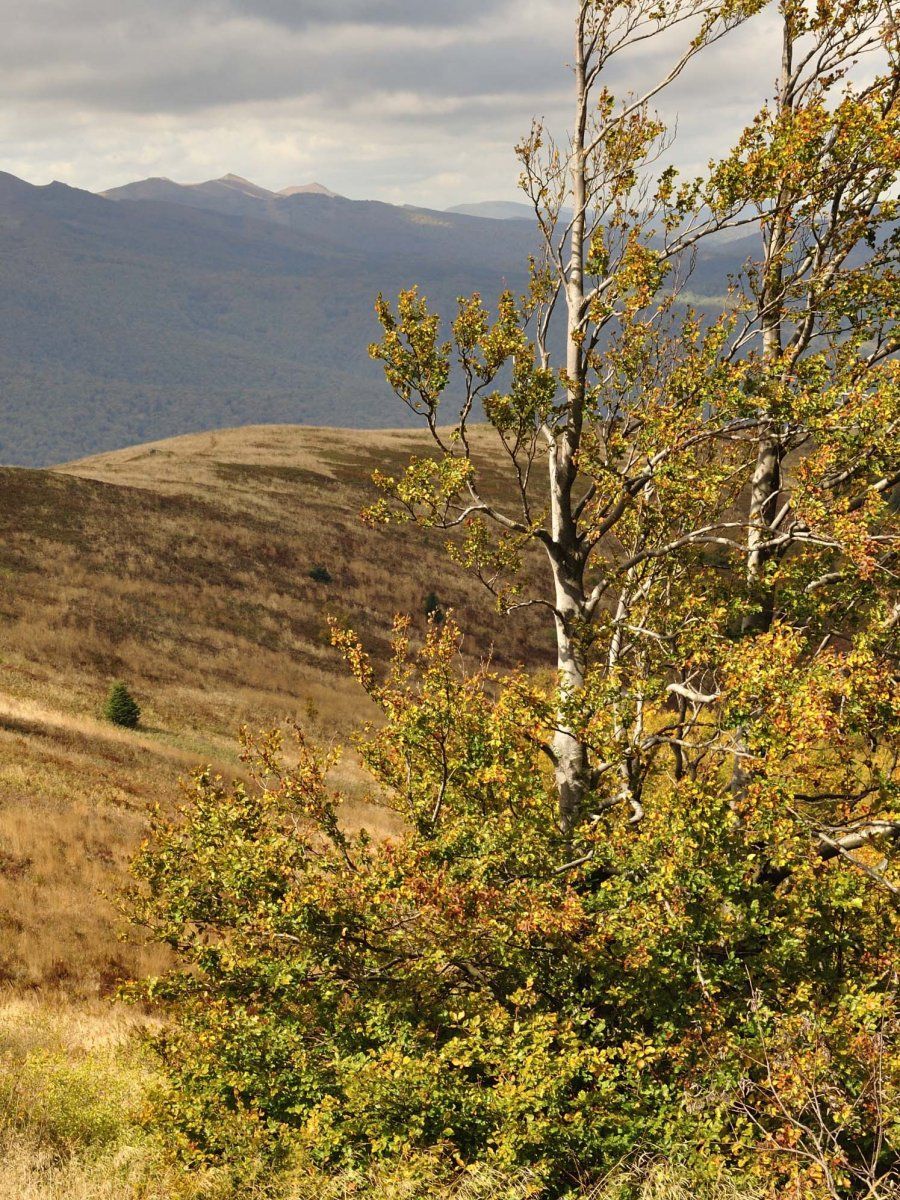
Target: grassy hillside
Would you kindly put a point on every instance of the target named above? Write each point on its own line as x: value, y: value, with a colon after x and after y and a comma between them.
x: 182, y: 567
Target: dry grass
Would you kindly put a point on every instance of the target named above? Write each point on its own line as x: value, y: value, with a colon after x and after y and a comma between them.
x: 182, y: 568
x: 133, y: 1175
x: 653, y: 1179
x: 72, y: 1082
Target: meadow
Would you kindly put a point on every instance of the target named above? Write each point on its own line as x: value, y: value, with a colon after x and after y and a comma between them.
x: 184, y: 568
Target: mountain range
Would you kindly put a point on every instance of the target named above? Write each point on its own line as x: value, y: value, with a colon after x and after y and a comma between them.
x: 231, y: 195
x: 157, y: 309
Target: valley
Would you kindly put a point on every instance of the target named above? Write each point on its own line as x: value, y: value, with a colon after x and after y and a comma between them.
x: 160, y: 309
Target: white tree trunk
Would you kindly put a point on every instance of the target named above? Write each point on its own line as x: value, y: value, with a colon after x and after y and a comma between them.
x: 566, y: 556
x: 571, y: 760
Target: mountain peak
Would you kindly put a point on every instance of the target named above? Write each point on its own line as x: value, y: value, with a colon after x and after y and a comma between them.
x: 309, y: 189
x: 238, y: 183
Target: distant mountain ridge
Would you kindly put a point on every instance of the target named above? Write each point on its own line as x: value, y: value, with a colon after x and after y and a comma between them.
x: 311, y: 189
x: 158, y: 308
x: 171, y: 309
x: 231, y: 194
x: 496, y: 210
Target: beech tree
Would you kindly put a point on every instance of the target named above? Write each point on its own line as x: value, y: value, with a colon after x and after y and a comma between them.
x: 375, y: 1011
x: 762, y: 438
x: 651, y: 907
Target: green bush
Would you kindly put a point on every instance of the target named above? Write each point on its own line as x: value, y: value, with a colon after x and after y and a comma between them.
x: 433, y: 609
x: 72, y: 1105
x: 478, y: 990
x: 320, y: 574
x: 121, y: 707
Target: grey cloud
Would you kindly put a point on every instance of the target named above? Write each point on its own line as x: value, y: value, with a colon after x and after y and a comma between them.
x: 185, y: 76
x: 397, y: 99
x: 299, y: 14
x: 89, y: 53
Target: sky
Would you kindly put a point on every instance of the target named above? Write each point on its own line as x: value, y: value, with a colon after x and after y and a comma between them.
x: 408, y: 101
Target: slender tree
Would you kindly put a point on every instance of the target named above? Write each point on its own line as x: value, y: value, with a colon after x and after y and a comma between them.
x: 646, y: 948
x: 760, y: 445
x: 834, y: 167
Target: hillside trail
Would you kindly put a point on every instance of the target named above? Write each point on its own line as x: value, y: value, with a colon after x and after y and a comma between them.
x: 18, y: 716
x: 28, y: 716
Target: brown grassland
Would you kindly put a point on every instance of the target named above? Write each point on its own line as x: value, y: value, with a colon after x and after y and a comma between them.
x: 183, y: 568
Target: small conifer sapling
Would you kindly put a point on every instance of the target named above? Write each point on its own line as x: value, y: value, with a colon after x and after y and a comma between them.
x: 121, y: 707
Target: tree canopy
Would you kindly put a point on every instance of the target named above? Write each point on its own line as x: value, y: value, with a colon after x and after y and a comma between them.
x: 651, y: 902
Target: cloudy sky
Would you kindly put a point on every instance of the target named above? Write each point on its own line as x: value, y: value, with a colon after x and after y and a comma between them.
x: 416, y: 101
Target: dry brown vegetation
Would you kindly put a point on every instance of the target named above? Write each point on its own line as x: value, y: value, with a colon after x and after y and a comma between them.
x: 182, y: 567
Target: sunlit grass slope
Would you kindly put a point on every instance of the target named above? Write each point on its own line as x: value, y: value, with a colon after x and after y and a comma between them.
x: 183, y: 568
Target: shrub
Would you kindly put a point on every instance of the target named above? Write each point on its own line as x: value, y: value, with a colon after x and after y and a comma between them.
x: 121, y: 707
x: 433, y: 609
x: 320, y: 574
x: 478, y: 990
x: 72, y: 1082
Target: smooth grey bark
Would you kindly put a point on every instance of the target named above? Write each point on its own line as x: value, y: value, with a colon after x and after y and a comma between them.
x: 566, y: 552
x: 765, y: 486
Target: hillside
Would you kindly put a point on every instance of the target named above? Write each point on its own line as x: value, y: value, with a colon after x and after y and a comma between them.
x: 125, y: 321
x: 182, y: 567
x: 160, y: 309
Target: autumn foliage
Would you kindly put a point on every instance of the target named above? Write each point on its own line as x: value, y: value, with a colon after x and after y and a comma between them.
x: 648, y: 904
x: 471, y: 992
